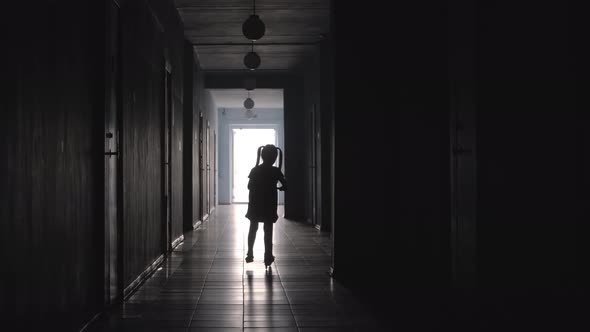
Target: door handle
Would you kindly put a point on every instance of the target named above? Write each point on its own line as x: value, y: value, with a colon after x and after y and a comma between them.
x: 461, y: 150
x: 112, y: 153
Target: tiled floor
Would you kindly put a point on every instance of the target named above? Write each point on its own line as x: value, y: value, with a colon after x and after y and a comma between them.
x: 205, y: 285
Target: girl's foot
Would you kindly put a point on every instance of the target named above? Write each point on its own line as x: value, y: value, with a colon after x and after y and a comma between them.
x: 268, y: 260
x: 249, y: 259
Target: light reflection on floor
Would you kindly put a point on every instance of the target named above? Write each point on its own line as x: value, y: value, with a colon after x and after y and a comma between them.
x: 205, y: 285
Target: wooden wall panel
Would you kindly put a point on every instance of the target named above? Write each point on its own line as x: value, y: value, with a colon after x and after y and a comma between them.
x: 208, y: 107
x: 198, y: 86
x: 142, y: 84
x: 152, y: 37
x: 188, y: 136
x: 51, y: 171
x: 166, y: 16
x: 528, y: 162
x: 296, y: 167
x: 392, y: 158
x: 578, y: 27
x: 175, y: 42
x: 311, y: 95
x: 326, y: 130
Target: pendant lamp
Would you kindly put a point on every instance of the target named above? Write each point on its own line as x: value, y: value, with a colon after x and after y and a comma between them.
x: 253, y: 28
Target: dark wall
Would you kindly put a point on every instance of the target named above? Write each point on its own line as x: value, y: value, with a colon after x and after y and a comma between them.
x: 151, y: 37
x: 296, y: 151
x: 197, y: 177
x: 175, y: 53
x: 201, y: 103
x: 209, y: 110
x: 189, y: 188
x: 392, y: 157
x: 142, y: 82
x: 528, y: 178
x: 310, y: 71
x: 577, y: 27
x: 51, y: 171
x: 392, y: 182
x: 326, y: 133
x: 392, y: 174
x: 317, y: 76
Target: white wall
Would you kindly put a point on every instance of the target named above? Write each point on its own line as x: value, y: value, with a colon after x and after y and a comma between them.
x: 229, y: 118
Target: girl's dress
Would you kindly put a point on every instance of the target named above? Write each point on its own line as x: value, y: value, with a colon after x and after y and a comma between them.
x: 262, y: 202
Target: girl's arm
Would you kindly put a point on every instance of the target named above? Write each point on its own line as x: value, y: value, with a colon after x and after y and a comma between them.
x: 283, y: 182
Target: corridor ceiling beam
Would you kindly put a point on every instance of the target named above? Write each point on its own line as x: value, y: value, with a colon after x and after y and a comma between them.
x: 293, y: 28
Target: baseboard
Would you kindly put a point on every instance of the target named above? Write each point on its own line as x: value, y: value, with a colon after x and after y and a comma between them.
x: 205, y: 217
x: 318, y: 227
x: 142, y: 278
x: 196, y: 224
x: 297, y: 218
x: 178, y: 241
x: 91, y: 321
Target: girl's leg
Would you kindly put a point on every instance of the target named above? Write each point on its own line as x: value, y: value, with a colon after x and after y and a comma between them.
x: 252, y: 236
x: 268, y: 257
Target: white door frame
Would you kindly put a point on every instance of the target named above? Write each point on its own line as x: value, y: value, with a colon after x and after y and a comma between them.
x: 278, y: 143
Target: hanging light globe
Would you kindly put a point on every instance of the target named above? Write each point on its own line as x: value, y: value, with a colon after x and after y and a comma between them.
x: 253, y: 28
x: 252, y: 60
x: 249, y: 103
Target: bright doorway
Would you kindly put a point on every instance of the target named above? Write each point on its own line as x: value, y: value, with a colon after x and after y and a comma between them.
x: 245, y: 143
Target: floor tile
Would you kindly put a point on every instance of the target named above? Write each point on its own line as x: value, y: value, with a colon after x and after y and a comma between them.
x: 205, y: 285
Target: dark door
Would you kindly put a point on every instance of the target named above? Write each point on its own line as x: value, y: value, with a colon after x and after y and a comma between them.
x: 208, y: 170
x: 313, y: 206
x: 201, y: 168
x: 112, y: 207
x: 463, y: 197
x: 214, y: 161
x: 463, y: 144
x: 317, y: 169
x: 166, y: 168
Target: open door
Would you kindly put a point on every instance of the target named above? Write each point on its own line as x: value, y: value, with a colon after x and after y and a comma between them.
x: 244, y: 146
x: 112, y: 166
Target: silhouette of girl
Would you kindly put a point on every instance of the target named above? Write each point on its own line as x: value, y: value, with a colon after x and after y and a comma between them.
x: 262, y: 202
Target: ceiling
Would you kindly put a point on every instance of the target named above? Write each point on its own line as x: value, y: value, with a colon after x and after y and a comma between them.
x: 234, y: 98
x: 214, y: 27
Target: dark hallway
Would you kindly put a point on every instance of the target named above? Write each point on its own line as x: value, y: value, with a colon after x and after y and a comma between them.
x: 437, y: 155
